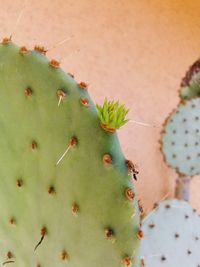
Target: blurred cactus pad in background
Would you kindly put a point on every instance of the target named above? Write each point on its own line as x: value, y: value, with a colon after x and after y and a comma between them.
x: 171, y: 236
x: 190, y: 84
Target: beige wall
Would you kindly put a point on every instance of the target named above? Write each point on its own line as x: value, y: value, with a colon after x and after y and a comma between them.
x: 132, y: 50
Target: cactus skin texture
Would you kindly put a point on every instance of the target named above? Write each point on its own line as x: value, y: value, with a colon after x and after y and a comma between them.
x: 180, y: 141
x: 171, y: 236
x: 190, y: 85
x: 59, y: 211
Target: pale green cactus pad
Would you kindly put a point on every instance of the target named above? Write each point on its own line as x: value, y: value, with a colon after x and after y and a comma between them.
x: 66, y: 191
x: 190, y: 85
x: 171, y: 236
x: 180, y: 141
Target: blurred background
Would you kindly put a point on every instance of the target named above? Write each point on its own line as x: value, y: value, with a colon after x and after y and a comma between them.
x: 136, y: 51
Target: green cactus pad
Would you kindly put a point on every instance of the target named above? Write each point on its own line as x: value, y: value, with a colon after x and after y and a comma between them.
x: 180, y: 141
x: 63, y: 179
x: 190, y: 85
x: 171, y: 236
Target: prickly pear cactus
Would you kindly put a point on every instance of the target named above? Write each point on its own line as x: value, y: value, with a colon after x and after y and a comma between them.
x: 171, y: 236
x: 190, y: 85
x: 180, y: 141
x: 66, y: 192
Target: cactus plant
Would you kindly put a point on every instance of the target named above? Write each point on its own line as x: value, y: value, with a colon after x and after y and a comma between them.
x: 171, y: 236
x: 190, y: 84
x: 66, y: 192
x: 180, y: 140
x: 172, y: 229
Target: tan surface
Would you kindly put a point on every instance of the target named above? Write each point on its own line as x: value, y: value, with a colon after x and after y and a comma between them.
x: 132, y: 50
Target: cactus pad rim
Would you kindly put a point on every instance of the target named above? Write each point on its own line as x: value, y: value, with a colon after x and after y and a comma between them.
x: 190, y: 84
